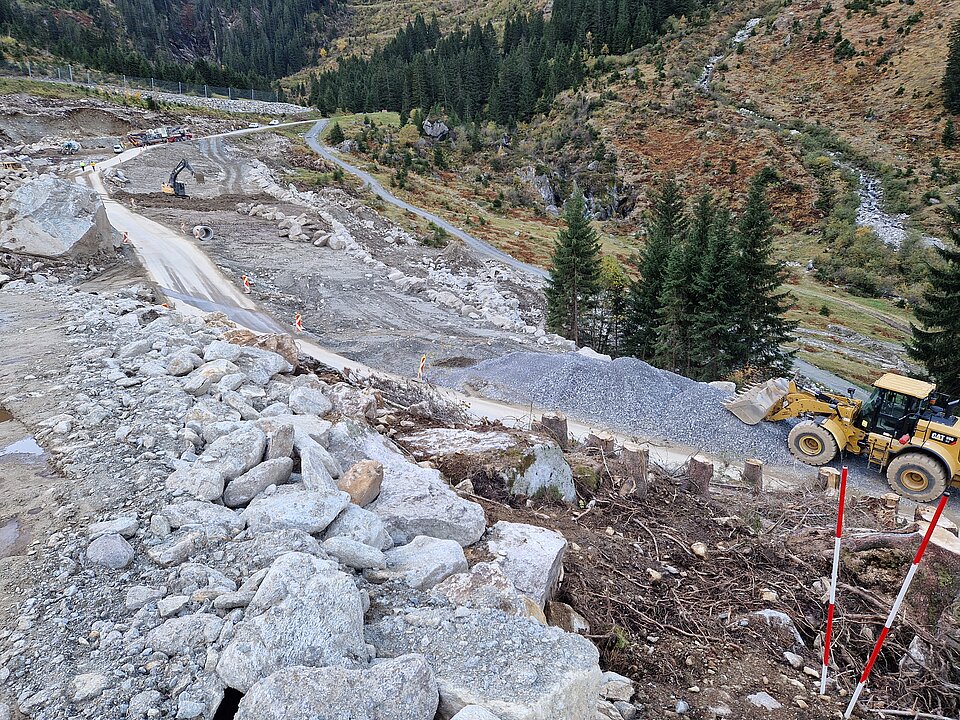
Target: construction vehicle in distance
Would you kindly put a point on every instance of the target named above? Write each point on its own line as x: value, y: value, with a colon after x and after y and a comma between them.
x: 158, y: 136
x: 905, y: 427
x: 70, y: 147
x: 176, y: 188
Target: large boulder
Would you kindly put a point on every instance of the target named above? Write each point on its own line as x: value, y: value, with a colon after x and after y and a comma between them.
x: 435, y: 129
x: 253, y: 482
x: 484, y: 585
x: 399, y: 689
x: 530, y: 556
x: 361, y: 525
x: 292, y: 508
x: 529, y: 464
x: 425, y: 561
x: 236, y: 453
x: 305, y: 612
x: 280, y: 344
x: 413, y: 500
x: 515, y: 667
x: 52, y: 218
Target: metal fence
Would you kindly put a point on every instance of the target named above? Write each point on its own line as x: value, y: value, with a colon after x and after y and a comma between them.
x: 83, y: 76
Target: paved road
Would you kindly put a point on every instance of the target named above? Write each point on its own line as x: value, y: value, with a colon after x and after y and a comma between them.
x: 313, y: 140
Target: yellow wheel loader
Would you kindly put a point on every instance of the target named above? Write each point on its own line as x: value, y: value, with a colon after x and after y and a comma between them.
x: 905, y: 427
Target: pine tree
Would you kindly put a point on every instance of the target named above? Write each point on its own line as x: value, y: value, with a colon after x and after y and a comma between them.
x: 937, y: 343
x: 336, y: 135
x: 679, y: 298
x: 667, y: 227
x: 575, y: 273
x: 763, y: 329
x: 715, y: 348
x: 951, y: 77
x: 949, y: 134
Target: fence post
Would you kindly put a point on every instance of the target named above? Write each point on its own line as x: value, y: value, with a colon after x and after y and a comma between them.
x: 230, y: 93
x: 70, y: 69
x: 251, y: 94
x: 153, y: 85
x: 29, y: 69
x: 204, y: 89
x: 124, y: 84
x: 88, y: 77
x: 59, y: 75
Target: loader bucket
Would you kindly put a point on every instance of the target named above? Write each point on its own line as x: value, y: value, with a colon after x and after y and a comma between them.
x: 755, y: 403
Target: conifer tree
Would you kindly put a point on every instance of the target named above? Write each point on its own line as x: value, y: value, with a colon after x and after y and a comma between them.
x: 336, y: 135
x: 949, y: 134
x: 715, y: 349
x: 679, y: 298
x: 575, y: 273
x: 667, y: 226
x: 763, y: 329
x: 951, y: 77
x: 937, y: 343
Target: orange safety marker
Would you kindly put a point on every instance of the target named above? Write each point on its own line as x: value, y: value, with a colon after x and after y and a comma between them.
x: 246, y: 284
x: 423, y: 364
x: 298, y: 323
x: 833, y: 583
x: 183, y: 228
x: 896, y: 605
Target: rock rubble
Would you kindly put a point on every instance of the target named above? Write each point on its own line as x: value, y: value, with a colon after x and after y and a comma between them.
x: 195, y: 559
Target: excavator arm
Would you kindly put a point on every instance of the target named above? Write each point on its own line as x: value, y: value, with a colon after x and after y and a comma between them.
x: 173, y: 186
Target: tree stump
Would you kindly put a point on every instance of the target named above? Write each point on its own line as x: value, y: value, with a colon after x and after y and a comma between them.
x: 753, y: 474
x: 556, y: 427
x: 699, y: 474
x: 828, y: 479
x: 634, y: 463
x: 603, y: 442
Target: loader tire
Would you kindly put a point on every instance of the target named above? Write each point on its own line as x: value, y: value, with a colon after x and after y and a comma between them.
x: 917, y: 477
x: 811, y: 444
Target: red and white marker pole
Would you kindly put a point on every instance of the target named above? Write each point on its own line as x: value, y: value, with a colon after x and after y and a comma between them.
x: 423, y: 364
x: 896, y: 605
x: 246, y: 284
x: 298, y: 323
x: 833, y: 582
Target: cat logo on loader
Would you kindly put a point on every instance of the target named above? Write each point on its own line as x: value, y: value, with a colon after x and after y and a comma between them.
x: 905, y: 427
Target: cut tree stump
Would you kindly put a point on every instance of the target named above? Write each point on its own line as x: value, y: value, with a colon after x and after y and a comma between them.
x: 753, y: 474
x: 828, y: 479
x: 556, y: 427
x: 634, y: 463
x: 603, y: 442
x: 699, y: 474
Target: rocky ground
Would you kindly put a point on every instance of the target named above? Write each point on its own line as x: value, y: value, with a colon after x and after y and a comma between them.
x: 365, y: 287
x: 222, y: 527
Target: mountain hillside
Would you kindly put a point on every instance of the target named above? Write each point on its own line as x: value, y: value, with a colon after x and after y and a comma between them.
x: 262, y: 39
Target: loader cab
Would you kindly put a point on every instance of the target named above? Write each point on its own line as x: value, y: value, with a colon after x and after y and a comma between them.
x: 895, y: 406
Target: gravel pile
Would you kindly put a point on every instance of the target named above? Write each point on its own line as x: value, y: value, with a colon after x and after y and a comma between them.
x: 627, y: 394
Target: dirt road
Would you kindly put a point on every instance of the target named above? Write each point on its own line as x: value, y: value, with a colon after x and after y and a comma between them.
x: 313, y: 140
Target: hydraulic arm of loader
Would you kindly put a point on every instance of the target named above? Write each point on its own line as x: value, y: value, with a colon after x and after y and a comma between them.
x: 780, y: 399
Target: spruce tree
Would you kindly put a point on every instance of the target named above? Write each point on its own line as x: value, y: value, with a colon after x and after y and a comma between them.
x: 667, y: 226
x: 949, y: 134
x: 715, y: 349
x: 937, y: 343
x: 679, y: 298
x: 763, y: 329
x: 336, y: 135
x: 574, y: 282
x: 951, y: 77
